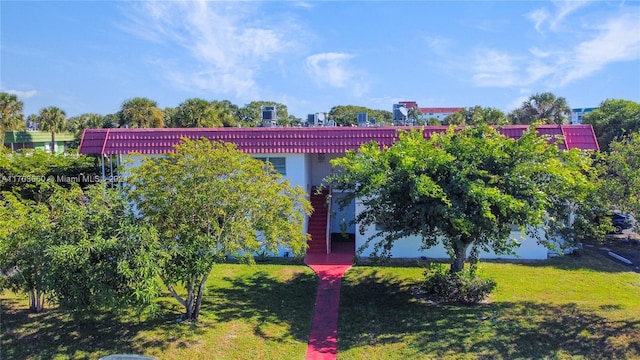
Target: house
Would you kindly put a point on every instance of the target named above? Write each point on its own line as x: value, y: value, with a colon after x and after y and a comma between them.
x: 401, y: 109
x: 579, y: 113
x: 16, y: 140
x: 303, y: 156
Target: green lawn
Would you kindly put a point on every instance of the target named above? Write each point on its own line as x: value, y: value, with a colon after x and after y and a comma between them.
x: 585, y: 307
x: 250, y: 312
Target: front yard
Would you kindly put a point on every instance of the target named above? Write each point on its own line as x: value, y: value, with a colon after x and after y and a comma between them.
x: 584, y: 307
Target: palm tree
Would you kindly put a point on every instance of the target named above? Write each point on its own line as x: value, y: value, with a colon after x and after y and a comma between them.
x: 545, y: 107
x: 52, y: 119
x: 141, y: 113
x: 78, y: 124
x: 11, y: 117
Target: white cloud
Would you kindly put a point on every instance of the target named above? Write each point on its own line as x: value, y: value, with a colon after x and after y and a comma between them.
x: 23, y: 94
x: 438, y: 44
x: 562, y: 10
x: 227, y: 43
x: 495, y: 69
x: 612, y: 39
x: 538, y: 16
x: 618, y: 40
x: 330, y: 68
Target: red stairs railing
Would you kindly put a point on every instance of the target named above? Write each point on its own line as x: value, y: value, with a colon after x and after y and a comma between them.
x: 318, y: 222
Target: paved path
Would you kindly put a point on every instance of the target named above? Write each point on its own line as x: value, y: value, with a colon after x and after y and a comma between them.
x: 323, y: 339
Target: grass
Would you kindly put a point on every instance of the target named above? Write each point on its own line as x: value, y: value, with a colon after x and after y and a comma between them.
x: 570, y: 307
x: 584, y: 307
x: 250, y: 312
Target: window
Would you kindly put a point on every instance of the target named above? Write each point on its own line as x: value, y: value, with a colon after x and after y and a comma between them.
x: 278, y: 163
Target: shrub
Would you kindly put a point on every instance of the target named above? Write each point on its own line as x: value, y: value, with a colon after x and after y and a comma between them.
x: 462, y: 287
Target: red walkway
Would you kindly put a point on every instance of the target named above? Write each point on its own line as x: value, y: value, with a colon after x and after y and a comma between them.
x: 323, y: 339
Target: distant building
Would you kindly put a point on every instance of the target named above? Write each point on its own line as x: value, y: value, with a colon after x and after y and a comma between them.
x: 577, y: 114
x: 439, y: 113
x: 16, y: 140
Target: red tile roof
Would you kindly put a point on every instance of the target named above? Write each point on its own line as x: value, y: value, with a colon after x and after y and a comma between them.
x: 330, y: 140
x: 440, y: 110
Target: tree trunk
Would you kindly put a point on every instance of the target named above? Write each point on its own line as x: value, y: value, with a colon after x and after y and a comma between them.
x: 53, y: 142
x: 36, y: 300
x: 199, y: 298
x: 190, y: 302
x: 459, y: 256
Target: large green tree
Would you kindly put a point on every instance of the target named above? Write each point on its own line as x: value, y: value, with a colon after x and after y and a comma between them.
x: 80, y: 249
x: 140, y: 112
x: 477, y: 115
x: 11, y: 116
x: 78, y: 124
x: 209, y: 201
x: 25, y: 229
x: 54, y: 120
x: 250, y: 114
x: 347, y: 115
x: 614, y: 119
x: 622, y: 174
x: 466, y: 189
x: 542, y: 107
x: 102, y: 257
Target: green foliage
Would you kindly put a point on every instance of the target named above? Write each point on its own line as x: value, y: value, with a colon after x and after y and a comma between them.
x: 54, y: 120
x: 103, y: 258
x: 201, y: 113
x: 209, y: 201
x: 347, y: 115
x: 140, y: 113
x: 30, y: 173
x: 250, y: 114
x: 466, y: 189
x: 462, y: 287
x: 78, y: 124
x: 612, y: 120
x: 622, y: 175
x: 82, y: 249
x: 542, y: 107
x: 477, y: 115
x: 11, y: 116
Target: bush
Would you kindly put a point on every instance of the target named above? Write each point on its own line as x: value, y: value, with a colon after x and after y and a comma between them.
x: 462, y: 287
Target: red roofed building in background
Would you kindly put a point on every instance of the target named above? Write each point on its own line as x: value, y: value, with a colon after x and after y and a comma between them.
x: 302, y: 155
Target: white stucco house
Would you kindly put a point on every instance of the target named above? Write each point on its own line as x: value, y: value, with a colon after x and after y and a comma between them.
x: 303, y: 155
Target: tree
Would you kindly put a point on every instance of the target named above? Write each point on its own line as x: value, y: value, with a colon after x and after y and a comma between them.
x: 11, y: 117
x: 52, y: 119
x: 477, y: 115
x: 542, y: 107
x: 78, y: 124
x: 225, y: 113
x: 140, y: 113
x: 612, y: 120
x: 102, y: 257
x: 347, y: 115
x: 250, y: 114
x: 26, y: 173
x: 194, y: 113
x: 622, y: 174
x: 80, y: 249
x: 25, y: 226
x: 465, y: 189
x: 209, y: 201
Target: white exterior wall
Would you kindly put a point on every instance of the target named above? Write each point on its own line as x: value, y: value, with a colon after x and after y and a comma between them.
x: 297, y: 172
x: 410, y: 247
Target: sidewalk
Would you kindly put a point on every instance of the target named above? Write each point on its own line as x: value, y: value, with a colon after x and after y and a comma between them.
x: 323, y: 338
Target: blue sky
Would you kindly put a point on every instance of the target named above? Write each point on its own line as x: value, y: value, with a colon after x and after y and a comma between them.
x: 90, y: 56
